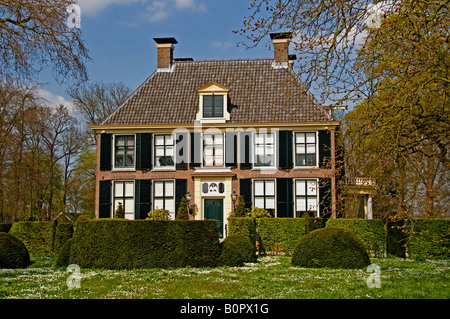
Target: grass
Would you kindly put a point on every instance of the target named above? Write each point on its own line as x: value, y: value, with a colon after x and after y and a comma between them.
x: 270, y: 277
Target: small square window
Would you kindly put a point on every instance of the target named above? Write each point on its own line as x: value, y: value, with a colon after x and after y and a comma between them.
x: 213, y: 106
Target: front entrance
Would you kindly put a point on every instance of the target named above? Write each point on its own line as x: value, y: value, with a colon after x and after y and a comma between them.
x: 214, y: 210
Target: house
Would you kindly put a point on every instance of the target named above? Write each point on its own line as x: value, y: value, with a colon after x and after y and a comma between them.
x: 213, y: 130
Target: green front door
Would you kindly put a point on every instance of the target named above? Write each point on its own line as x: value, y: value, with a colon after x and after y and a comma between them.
x: 214, y: 210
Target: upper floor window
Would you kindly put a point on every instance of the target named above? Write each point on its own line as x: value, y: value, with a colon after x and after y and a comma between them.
x: 264, y: 149
x: 305, y: 149
x: 164, y: 150
x: 213, y: 147
x: 213, y: 106
x: 124, y: 151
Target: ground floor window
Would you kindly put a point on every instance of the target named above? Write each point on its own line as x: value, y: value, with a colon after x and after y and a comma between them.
x: 164, y: 196
x: 124, y: 194
x: 264, y: 195
x: 306, y: 197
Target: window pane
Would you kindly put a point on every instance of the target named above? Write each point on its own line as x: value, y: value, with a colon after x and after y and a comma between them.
x: 169, y: 205
x: 130, y: 140
x: 159, y: 189
x: 169, y: 189
x: 269, y: 149
x: 169, y: 140
x: 209, y: 161
x: 310, y: 137
x: 208, y: 100
x: 301, y: 204
x: 300, y: 137
x: 159, y: 204
x: 120, y: 140
x: 129, y: 189
x: 129, y: 205
x: 116, y: 204
x: 300, y: 189
x: 130, y: 157
x: 312, y: 204
x: 218, y: 100
x: 208, y: 139
x: 159, y: 140
x: 169, y: 150
x: 218, y: 161
x: 259, y: 150
x: 259, y: 202
x: 259, y: 138
x: 160, y: 151
x: 259, y: 187
x: 219, y: 150
x: 119, y: 189
x: 218, y: 139
x: 270, y: 138
x: 270, y: 203
x: 312, y: 188
x: 270, y: 188
x: 311, y: 148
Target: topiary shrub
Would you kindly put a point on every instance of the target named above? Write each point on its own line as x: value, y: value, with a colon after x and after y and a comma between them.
x: 38, y: 236
x: 236, y: 250
x: 330, y: 247
x: 182, y: 213
x: 13, y: 253
x: 245, y: 226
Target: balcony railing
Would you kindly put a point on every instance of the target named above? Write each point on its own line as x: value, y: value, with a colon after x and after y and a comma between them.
x: 360, y: 181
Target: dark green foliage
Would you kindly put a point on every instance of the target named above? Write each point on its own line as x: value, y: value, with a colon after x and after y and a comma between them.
x: 64, y: 254
x: 428, y: 238
x: 182, y: 213
x: 282, y: 234
x: 125, y: 244
x: 245, y: 226
x: 330, y: 247
x: 38, y: 237
x: 370, y: 231
x: 13, y: 253
x: 63, y: 233
x: 241, y: 210
x: 245, y: 247
x: 119, y: 213
x: 396, y: 238
x: 230, y: 255
x: 4, y: 228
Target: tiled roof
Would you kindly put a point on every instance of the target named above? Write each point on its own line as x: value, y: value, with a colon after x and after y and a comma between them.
x: 258, y: 93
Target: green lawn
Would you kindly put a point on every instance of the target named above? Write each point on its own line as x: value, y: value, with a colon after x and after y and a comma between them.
x: 270, y: 277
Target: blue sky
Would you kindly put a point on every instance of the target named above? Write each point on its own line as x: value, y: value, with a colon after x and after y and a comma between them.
x: 119, y: 35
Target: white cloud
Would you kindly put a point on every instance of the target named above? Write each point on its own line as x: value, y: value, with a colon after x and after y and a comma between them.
x: 222, y: 45
x: 94, y: 7
x: 50, y: 99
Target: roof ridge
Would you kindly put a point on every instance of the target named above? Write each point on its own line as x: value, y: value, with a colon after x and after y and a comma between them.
x: 225, y: 60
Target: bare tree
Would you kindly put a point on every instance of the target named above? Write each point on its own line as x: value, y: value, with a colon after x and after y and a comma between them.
x: 33, y: 34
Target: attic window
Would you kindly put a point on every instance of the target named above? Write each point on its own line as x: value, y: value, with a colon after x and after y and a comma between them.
x: 213, y: 103
x: 213, y: 106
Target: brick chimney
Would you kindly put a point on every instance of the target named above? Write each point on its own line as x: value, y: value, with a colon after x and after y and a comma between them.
x: 281, y: 47
x: 165, y: 52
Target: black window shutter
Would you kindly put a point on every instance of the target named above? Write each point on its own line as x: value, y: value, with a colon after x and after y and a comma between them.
x: 144, y: 151
x: 231, y: 149
x: 325, y: 197
x: 104, y: 209
x: 181, y: 150
x: 285, y: 149
x: 105, y: 152
x: 180, y: 192
x: 245, y: 187
x: 324, y: 149
x: 246, y: 150
x: 143, y: 198
x: 196, y: 154
x: 285, y: 200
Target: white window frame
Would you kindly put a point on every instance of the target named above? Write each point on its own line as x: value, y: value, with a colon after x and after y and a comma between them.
x: 113, y: 198
x: 275, y: 192
x: 275, y: 155
x: 172, y: 214
x: 294, y: 153
x: 306, y: 194
x: 203, y: 145
x: 154, y: 166
x: 114, y: 154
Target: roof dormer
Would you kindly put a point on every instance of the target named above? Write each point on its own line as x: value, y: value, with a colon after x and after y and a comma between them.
x: 213, y: 103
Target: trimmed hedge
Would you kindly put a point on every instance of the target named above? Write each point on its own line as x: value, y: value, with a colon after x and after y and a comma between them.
x: 237, y: 250
x: 428, y: 238
x: 370, y: 231
x: 63, y: 233
x: 13, y: 253
x: 243, y: 226
x: 330, y: 247
x: 126, y: 244
x: 38, y: 237
x: 283, y: 234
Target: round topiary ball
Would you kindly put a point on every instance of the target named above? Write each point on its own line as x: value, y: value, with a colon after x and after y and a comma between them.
x: 13, y: 253
x: 237, y: 250
x: 246, y: 248
x: 330, y: 247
